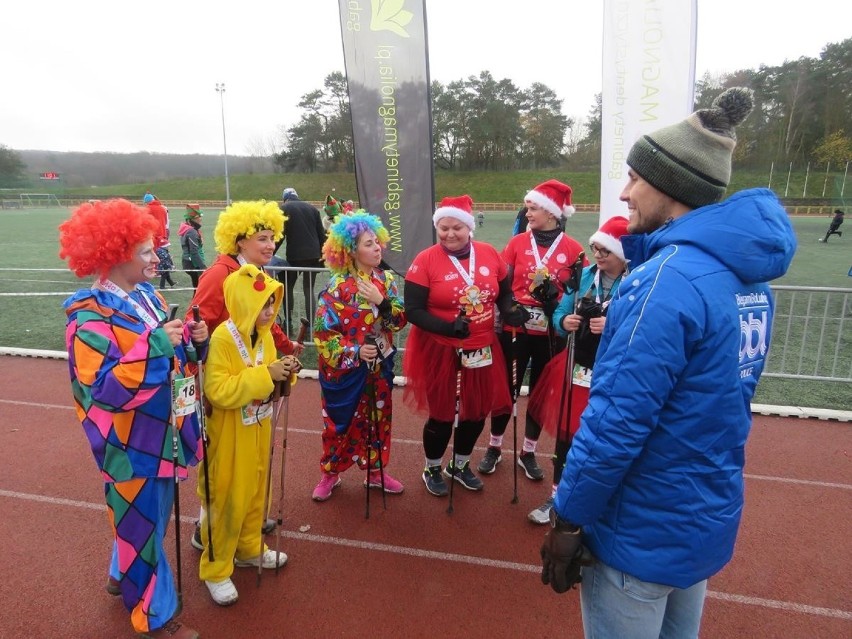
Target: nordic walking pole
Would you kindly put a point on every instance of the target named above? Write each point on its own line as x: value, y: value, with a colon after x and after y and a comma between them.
x: 453, y: 468
x: 562, y: 433
x: 202, y: 422
x: 175, y: 460
x: 373, y: 435
x: 514, y: 332
x: 284, y: 408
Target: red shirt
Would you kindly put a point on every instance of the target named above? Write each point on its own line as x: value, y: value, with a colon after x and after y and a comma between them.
x: 518, y: 254
x: 448, y: 291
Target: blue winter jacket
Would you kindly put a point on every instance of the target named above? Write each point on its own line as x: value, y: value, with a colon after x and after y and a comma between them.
x: 655, y: 473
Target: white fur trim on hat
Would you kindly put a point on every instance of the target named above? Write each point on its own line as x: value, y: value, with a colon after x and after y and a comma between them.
x: 537, y: 197
x: 451, y: 211
x: 609, y: 235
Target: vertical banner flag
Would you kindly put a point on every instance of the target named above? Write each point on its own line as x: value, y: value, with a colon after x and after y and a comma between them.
x: 385, y: 52
x: 648, y: 81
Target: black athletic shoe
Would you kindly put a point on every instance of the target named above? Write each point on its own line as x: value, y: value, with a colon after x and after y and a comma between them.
x: 435, y: 484
x: 531, y: 468
x: 489, y: 462
x: 196, y: 537
x: 464, y: 476
x: 268, y: 526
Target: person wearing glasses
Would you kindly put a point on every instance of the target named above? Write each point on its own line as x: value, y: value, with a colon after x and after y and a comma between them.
x: 583, y: 313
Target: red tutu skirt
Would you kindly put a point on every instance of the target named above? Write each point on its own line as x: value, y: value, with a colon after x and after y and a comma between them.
x: 544, y: 405
x: 430, y: 381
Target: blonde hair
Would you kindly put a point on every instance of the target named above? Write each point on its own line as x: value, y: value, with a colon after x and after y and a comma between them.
x: 244, y: 219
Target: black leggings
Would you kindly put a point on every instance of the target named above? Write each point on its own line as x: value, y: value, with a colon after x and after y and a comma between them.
x: 527, y: 347
x: 436, y: 437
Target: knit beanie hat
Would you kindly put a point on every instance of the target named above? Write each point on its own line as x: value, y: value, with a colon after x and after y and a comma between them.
x: 460, y: 208
x: 148, y: 198
x: 691, y: 161
x: 289, y: 194
x: 554, y: 197
x: 609, y: 235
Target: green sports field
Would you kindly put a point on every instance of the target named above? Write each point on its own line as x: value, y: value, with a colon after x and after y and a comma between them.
x: 34, y: 282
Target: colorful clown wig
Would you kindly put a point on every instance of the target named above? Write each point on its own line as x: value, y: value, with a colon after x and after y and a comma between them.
x: 103, y: 234
x: 343, y: 239
x: 244, y: 219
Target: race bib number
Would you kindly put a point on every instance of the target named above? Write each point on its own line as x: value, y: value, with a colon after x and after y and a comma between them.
x: 537, y: 323
x: 479, y: 358
x: 254, y: 412
x: 582, y: 376
x: 384, y: 345
x: 184, y: 396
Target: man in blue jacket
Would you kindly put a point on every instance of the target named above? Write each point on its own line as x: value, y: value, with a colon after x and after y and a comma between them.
x: 653, y: 483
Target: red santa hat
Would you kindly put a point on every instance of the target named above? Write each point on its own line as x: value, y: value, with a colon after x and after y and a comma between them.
x: 609, y: 235
x: 554, y: 197
x: 460, y: 208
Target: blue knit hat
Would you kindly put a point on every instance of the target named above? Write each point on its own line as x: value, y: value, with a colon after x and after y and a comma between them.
x: 148, y: 198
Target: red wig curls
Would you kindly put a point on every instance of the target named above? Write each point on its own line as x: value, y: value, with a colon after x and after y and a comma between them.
x: 103, y: 234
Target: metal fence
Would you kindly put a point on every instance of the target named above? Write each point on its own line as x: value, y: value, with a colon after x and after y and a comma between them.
x: 811, y: 337
x: 811, y: 330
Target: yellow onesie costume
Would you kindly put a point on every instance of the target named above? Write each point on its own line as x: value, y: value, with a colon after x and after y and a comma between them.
x: 238, y: 385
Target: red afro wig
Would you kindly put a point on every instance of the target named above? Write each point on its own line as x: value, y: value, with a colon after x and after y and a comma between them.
x: 103, y: 234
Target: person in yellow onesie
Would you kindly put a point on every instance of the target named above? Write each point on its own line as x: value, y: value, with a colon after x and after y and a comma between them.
x: 240, y: 377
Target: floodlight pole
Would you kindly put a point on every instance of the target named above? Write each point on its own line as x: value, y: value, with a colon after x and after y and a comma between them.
x: 220, y: 89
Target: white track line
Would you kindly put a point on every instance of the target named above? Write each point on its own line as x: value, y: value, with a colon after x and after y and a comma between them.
x: 454, y: 557
x: 417, y: 442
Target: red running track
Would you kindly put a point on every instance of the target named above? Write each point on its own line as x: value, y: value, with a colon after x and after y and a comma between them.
x: 411, y: 570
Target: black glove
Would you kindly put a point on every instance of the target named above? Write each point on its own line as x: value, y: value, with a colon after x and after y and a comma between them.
x: 461, y: 328
x: 547, y: 294
x: 561, y: 557
x: 516, y: 316
x: 549, y: 307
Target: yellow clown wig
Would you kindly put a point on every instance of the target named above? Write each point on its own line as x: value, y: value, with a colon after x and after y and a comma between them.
x: 244, y: 219
x: 343, y: 239
x: 100, y: 235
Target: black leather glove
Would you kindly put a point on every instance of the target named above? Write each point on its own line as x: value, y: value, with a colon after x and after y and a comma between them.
x: 561, y: 556
x: 547, y: 294
x: 461, y: 328
x: 516, y: 316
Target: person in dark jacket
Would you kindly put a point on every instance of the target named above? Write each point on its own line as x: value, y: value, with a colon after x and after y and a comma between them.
x: 653, y: 482
x: 191, y: 243
x: 836, y: 221
x: 305, y: 235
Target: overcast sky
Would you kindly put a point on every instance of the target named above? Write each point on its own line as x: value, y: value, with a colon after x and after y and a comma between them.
x: 99, y: 75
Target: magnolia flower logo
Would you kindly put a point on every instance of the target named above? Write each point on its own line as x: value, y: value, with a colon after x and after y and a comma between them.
x: 390, y: 15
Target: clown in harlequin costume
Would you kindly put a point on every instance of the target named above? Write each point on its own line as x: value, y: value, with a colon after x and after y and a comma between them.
x: 538, y: 260
x: 242, y: 368
x: 455, y: 275
x: 357, y: 315
x: 122, y: 355
x: 582, y: 313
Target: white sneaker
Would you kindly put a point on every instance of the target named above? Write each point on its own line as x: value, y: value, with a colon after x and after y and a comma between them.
x: 268, y: 560
x: 224, y: 593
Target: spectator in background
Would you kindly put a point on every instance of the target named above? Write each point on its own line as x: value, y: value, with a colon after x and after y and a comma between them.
x: 836, y: 221
x: 161, y: 240
x: 305, y: 236
x: 191, y: 243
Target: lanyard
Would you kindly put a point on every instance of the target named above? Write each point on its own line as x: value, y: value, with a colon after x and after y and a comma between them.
x: 597, y: 285
x: 471, y: 269
x: 541, y: 262
x: 241, y: 345
x: 111, y: 287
